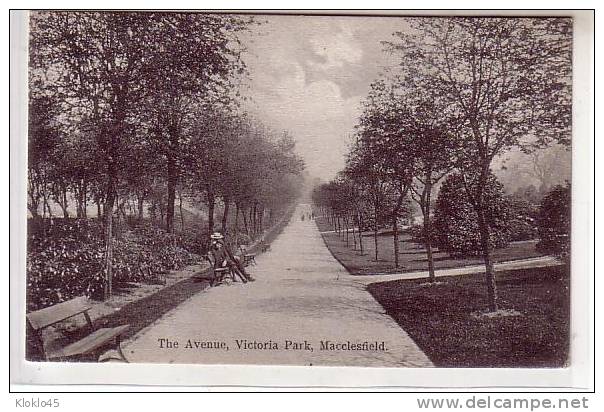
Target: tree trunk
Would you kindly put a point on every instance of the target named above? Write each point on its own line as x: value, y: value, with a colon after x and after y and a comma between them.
x: 84, y: 201
x: 395, y: 240
x: 182, y: 215
x: 486, y: 254
x: 172, y: 181
x: 245, y: 225
x: 65, y: 203
x: 47, y: 207
x: 34, y: 199
x: 59, y: 193
x: 121, y: 217
x: 33, y: 209
x: 236, y: 216
x: 354, y: 237
x: 140, y: 199
x: 109, y: 204
x: 375, y: 233
x: 99, y: 212
x: 428, y: 226
x: 261, y: 220
x: 428, y: 241
x: 254, y: 219
x: 225, y: 214
x: 346, y: 228
x: 360, y: 223
x: 211, y: 203
x: 78, y: 196
x: 483, y: 226
x: 162, y: 213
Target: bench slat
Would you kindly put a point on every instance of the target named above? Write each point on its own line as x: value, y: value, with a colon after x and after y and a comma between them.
x: 91, y: 342
x: 57, y: 313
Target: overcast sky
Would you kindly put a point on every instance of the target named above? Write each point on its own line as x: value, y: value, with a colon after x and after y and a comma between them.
x: 308, y: 76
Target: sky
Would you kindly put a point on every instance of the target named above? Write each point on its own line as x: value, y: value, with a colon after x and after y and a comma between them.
x: 308, y: 75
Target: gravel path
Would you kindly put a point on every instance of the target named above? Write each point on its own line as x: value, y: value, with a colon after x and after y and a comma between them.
x: 537, y: 262
x: 304, y: 309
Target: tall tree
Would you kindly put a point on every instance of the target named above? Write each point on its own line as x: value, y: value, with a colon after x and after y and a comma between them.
x: 43, y: 138
x: 382, y: 143
x: 96, y: 64
x: 508, y: 82
x: 195, y: 61
x: 430, y: 149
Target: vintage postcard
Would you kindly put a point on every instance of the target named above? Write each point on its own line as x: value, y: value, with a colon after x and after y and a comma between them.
x: 381, y: 191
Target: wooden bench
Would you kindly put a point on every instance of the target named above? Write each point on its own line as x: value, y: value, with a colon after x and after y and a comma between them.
x: 220, y: 274
x: 247, y: 258
x: 88, y: 346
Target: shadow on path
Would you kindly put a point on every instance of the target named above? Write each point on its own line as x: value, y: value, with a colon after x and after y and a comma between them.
x: 144, y: 312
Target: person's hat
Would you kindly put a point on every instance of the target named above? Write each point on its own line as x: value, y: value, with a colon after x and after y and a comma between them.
x: 216, y: 236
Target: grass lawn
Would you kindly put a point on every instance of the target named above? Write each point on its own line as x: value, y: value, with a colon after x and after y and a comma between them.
x: 412, y: 255
x: 441, y: 318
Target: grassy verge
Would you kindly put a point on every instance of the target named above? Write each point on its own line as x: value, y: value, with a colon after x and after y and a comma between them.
x: 412, y: 256
x: 442, y: 318
x: 143, y: 312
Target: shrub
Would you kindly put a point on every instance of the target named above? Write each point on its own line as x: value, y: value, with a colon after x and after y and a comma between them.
x: 553, y: 222
x: 417, y: 233
x: 456, y: 222
x: 66, y: 258
x: 195, y: 241
x: 522, y: 224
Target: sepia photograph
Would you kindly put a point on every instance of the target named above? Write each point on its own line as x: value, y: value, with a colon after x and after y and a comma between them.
x: 299, y: 189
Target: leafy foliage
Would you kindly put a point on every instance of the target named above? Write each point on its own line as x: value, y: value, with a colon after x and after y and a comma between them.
x: 456, y: 223
x: 65, y: 259
x: 553, y: 222
x: 137, y: 108
x: 522, y: 225
x: 417, y: 233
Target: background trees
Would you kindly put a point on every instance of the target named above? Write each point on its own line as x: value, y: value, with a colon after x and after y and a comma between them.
x: 507, y: 81
x: 381, y: 154
x: 131, y: 109
x: 194, y: 62
x: 43, y: 139
x: 553, y: 222
x: 463, y: 92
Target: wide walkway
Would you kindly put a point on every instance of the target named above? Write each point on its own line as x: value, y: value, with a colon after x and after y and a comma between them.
x: 302, y: 310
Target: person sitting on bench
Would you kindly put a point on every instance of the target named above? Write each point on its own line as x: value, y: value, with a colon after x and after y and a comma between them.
x: 223, y: 257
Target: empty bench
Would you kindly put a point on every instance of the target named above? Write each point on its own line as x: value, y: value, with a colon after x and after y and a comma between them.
x: 88, y: 346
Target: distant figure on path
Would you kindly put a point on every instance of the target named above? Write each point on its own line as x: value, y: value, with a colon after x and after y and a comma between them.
x: 223, y: 257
